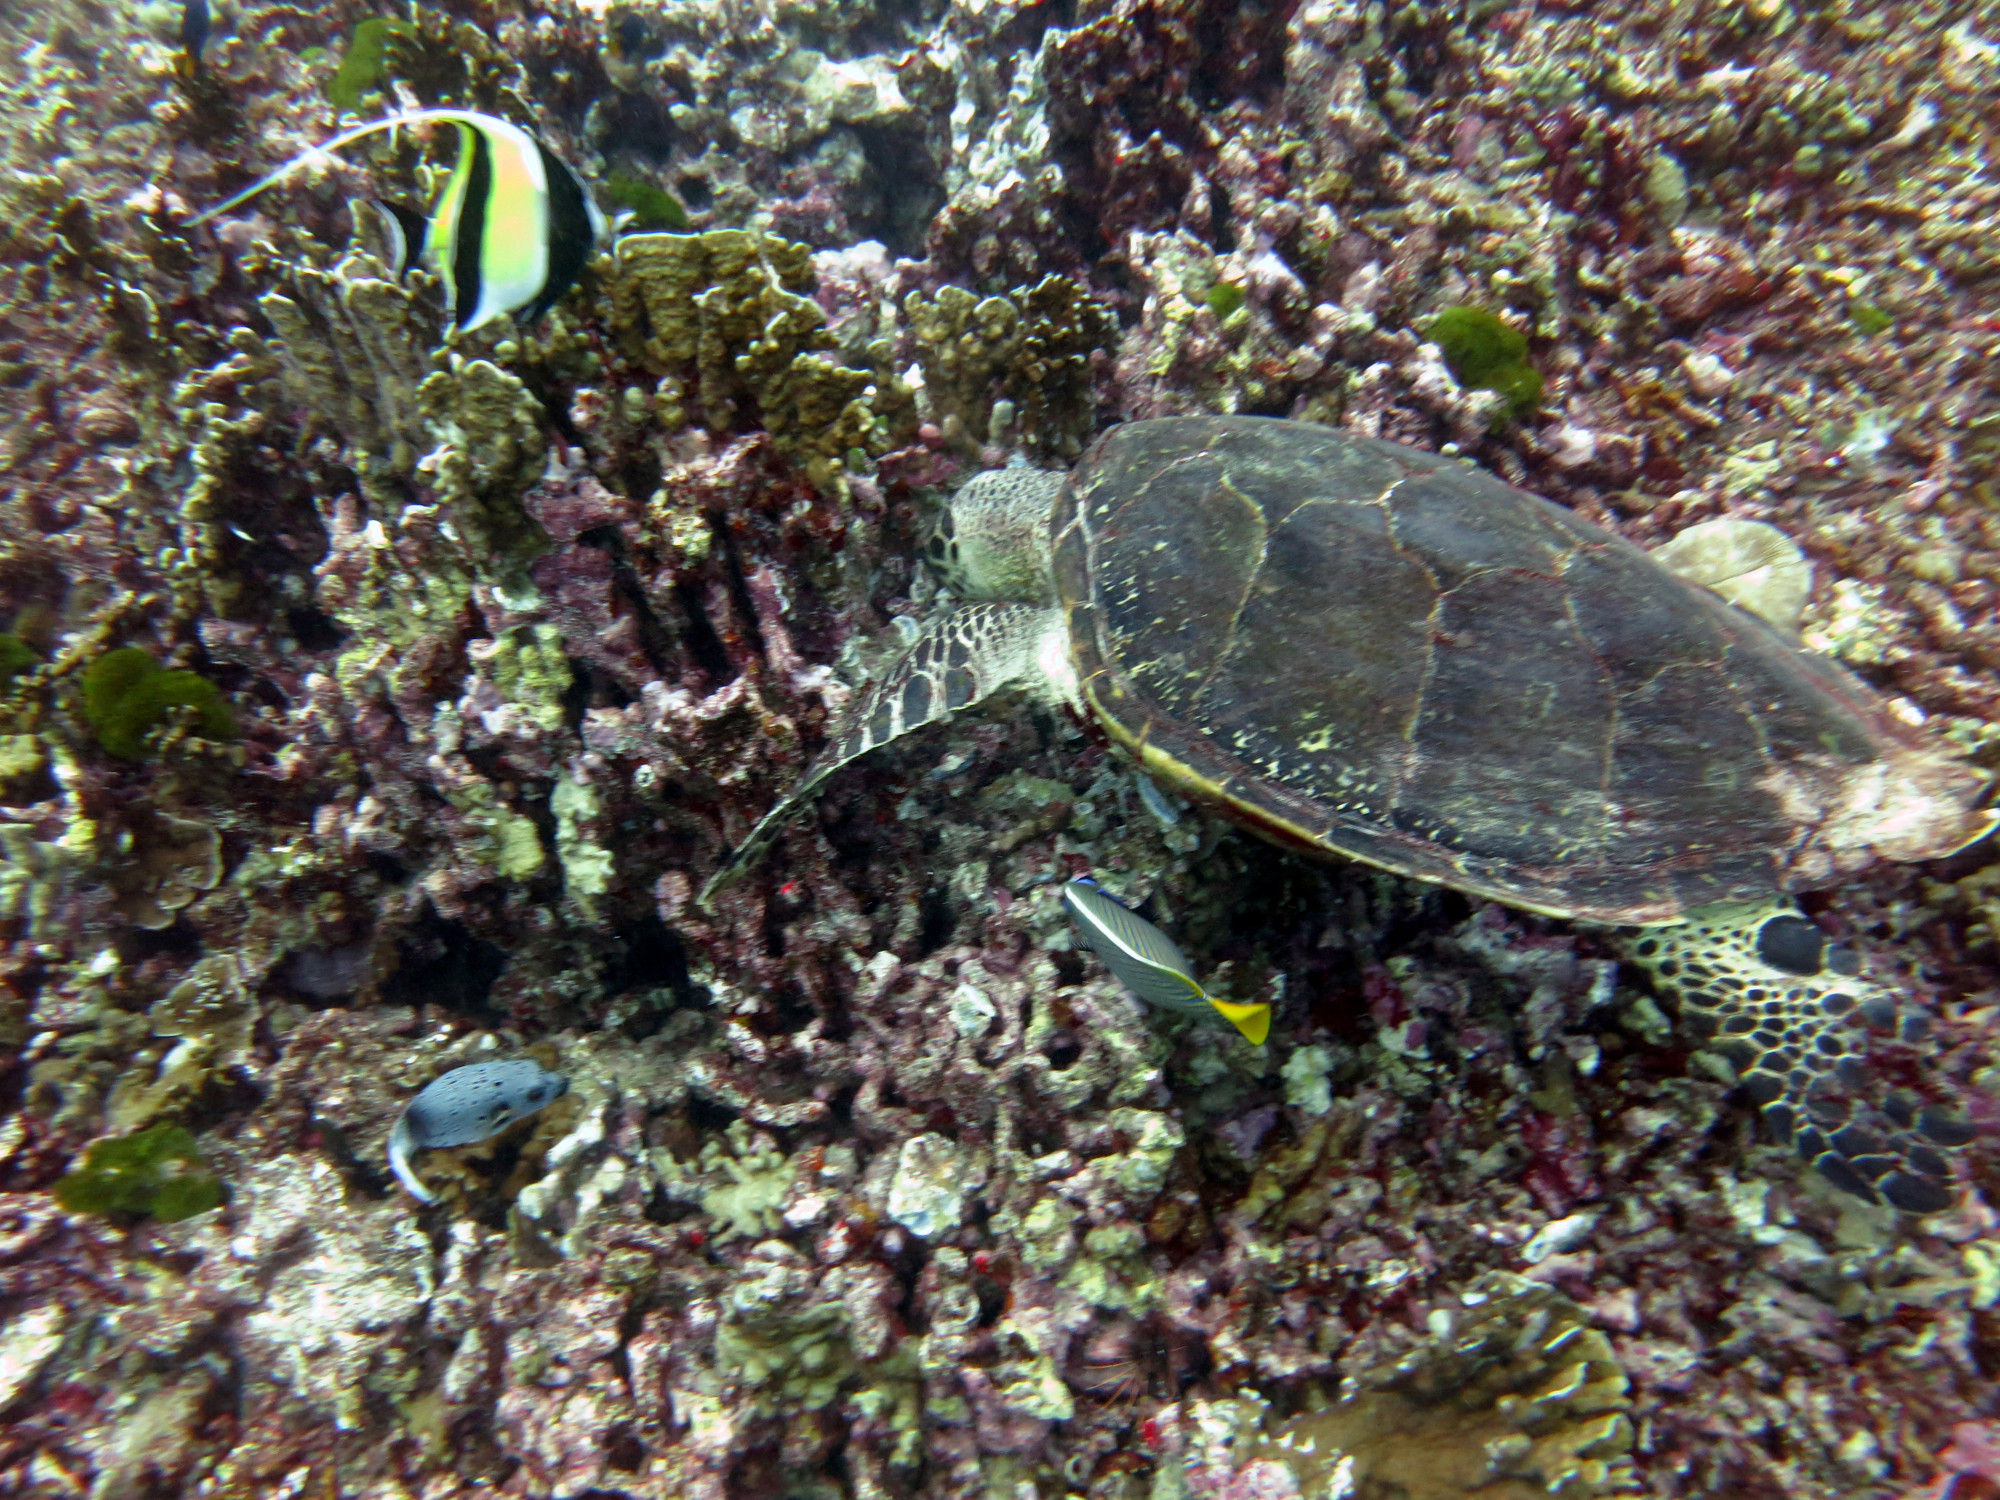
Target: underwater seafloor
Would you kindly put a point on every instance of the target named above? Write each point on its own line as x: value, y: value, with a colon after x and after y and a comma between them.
x: 870, y: 1185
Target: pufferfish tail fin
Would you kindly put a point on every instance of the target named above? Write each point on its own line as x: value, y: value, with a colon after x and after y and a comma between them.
x: 400, y: 1146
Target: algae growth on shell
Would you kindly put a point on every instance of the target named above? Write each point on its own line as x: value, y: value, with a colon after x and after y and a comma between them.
x: 876, y: 1184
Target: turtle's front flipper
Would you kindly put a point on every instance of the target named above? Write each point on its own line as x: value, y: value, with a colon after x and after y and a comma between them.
x: 1782, y: 1004
x: 961, y: 657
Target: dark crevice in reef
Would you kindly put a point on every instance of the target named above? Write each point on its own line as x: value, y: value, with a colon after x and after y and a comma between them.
x: 314, y: 629
x: 1025, y: 31
x: 1062, y: 1051
x: 134, y: 945
x: 703, y: 644
x: 442, y: 964
x: 1080, y: 221
x: 837, y: 1024
x: 545, y: 886
x: 774, y: 929
x: 641, y: 128
x: 788, y: 1013
x: 656, y: 642
x: 739, y: 588
x: 707, y: 1116
x: 555, y: 405
x: 911, y: 196
x: 577, y: 696
x: 1069, y: 966
x: 639, y: 476
x: 660, y: 1209
x: 1242, y: 52
x: 1222, y: 232
x: 936, y: 921
x: 387, y: 868
x: 695, y: 194
x: 654, y: 958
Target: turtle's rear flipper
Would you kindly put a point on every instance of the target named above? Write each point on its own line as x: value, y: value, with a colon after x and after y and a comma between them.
x: 960, y: 657
x: 1785, y: 1006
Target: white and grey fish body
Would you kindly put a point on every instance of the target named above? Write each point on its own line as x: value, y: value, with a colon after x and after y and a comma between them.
x: 1148, y: 962
x: 465, y: 1105
x: 1144, y: 959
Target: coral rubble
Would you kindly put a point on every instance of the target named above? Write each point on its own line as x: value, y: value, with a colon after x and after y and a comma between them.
x: 369, y: 708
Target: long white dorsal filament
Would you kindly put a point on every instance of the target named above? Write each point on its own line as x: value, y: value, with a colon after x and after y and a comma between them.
x: 325, y: 149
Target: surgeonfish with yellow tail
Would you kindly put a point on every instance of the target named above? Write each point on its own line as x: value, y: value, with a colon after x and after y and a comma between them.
x: 1146, y: 961
x: 511, y: 232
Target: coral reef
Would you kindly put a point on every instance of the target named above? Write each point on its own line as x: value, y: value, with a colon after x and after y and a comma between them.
x: 1511, y: 1395
x: 993, y: 365
x: 723, y: 315
x: 370, y: 707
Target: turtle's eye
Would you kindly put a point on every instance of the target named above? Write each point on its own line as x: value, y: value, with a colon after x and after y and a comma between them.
x: 1791, y: 944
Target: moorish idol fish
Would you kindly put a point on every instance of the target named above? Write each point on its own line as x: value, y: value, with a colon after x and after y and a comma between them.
x: 1146, y: 961
x: 511, y: 231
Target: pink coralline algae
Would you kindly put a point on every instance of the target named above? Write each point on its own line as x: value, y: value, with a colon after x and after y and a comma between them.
x: 870, y: 1182
x: 1970, y: 1465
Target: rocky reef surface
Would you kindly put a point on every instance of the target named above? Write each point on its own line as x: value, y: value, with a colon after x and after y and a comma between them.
x: 469, y: 660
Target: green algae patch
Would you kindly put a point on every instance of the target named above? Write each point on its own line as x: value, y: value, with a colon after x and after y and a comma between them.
x: 1224, y: 298
x: 156, y: 1173
x: 16, y: 657
x: 1870, y: 319
x: 652, y: 208
x: 126, y: 696
x: 364, y: 67
x: 1485, y: 353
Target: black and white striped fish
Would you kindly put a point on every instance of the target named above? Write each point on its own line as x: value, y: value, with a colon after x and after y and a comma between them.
x: 511, y: 231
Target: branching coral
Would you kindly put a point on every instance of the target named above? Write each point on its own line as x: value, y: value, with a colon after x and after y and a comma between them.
x: 352, y: 345
x: 726, y: 313
x: 742, y: 1183
x: 1006, y: 370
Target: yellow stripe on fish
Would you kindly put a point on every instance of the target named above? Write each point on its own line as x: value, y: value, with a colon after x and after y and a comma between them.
x: 511, y: 231
x: 1146, y: 961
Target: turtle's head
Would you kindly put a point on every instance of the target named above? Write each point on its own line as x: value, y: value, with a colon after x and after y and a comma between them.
x: 992, y: 542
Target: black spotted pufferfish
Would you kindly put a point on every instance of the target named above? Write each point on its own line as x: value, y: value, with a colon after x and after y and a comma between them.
x: 465, y: 1105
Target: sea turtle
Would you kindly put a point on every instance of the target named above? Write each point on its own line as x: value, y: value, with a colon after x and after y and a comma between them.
x: 1365, y: 650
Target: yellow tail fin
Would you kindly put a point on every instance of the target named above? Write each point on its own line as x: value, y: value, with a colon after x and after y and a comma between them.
x: 1254, y: 1021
